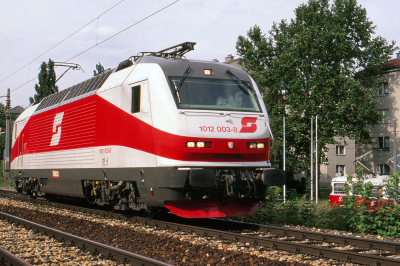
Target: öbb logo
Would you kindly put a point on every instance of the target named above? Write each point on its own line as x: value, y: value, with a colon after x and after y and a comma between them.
x: 55, y: 139
x: 248, y: 125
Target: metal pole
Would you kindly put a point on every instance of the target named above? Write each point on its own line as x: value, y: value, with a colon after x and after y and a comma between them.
x: 312, y: 155
x: 395, y: 159
x: 284, y: 158
x: 7, y: 146
x: 316, y: 160
x: 395, y: 146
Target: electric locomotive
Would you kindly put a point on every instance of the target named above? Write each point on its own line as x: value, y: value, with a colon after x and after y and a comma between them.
x: 158, y: 132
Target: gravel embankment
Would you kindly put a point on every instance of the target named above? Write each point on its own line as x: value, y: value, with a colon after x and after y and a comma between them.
x: 165, y: 245
x: 37, y: 249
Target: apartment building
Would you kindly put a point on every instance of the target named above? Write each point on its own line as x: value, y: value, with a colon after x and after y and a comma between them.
x: 377, y: 158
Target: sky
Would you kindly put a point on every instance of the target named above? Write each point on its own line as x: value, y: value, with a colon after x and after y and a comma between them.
x: 30, y: 28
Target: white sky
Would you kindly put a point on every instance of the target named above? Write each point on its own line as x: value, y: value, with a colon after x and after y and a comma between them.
x: 29, y: 28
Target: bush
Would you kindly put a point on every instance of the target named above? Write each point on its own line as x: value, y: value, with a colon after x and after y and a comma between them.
x: 360, y: 211
x: 294, y: 212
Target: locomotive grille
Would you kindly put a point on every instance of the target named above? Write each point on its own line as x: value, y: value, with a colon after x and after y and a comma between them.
x: 75, y: 133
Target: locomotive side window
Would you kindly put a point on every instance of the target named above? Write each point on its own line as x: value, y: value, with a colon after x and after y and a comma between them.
x: 135, y: 99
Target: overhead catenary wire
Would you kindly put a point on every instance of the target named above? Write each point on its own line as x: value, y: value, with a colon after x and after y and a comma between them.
x: 122, y: 30
x: 105, y: 39
x: 60, y: 42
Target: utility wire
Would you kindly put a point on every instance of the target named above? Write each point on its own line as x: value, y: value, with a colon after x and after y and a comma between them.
x: 61, y: 42
x: 107, y: 38
x: 123, y: 30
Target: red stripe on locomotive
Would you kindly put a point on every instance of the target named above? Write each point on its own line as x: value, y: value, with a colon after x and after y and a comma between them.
x: 93, y: 121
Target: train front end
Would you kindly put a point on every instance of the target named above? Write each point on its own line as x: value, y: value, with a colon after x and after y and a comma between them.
x: 216, y: 137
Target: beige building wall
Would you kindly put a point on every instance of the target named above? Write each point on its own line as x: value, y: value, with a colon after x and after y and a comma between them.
x: 341, y: 158
x: 380, y: 158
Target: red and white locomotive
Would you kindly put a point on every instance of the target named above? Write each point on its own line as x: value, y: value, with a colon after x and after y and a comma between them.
x: 159, y: 131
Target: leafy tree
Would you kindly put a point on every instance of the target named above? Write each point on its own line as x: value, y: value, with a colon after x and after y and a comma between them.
x: 322, y: 63
x: 47, y: 81
x: 99, y: 69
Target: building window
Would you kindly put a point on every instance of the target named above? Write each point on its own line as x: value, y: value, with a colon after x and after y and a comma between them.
x: 384, y: 169
x: 384, y: 116
x: 383, y: 89
x: 383, y: 143
x: 340, y: 169
x: 340, y: 150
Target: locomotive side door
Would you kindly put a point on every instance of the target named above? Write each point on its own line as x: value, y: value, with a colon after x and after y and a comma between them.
x: 135, y: 99
x: 19, y: 142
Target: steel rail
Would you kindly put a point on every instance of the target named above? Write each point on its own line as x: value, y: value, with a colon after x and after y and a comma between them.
x: 333, y: 238
x: 305, y: 234
x: 9, y: 259
x: 85, y: 244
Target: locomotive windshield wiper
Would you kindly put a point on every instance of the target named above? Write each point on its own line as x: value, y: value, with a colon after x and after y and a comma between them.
x: 177, y: 88
x: 239, y: 82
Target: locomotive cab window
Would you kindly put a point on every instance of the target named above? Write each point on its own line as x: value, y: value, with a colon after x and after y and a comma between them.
x: 214, y: 94
x: 135, y: 108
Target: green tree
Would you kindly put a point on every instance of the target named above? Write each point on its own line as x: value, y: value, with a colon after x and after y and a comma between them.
x: 99, y: 69
x: 47, y: 82
x: 322, y: 63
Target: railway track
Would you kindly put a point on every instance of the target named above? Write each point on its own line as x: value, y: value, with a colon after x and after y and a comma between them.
x: 9, y: 259
x: 94, y: 247
x: 320, y: 245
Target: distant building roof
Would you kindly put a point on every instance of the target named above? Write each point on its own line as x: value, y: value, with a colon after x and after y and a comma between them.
x: 17, y: 110
x: 392, y: 63
x: 230, y: 60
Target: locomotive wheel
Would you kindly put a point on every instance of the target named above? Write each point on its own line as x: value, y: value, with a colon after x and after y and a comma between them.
x: 150, y: 213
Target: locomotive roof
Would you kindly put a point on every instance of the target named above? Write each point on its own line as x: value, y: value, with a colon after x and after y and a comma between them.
x: 178, y: 66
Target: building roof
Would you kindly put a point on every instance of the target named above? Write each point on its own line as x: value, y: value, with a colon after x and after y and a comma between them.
x: 392, y: 63
x: 231, y: 61
x: 17, y: 110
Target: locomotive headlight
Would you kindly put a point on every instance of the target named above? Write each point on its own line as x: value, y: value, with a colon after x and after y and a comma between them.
x: 208, y: 72
x: 190, y: 144
x: 260, y: 145
x: 200, y: 144
x: 251, y: 145
x: 255, y: 145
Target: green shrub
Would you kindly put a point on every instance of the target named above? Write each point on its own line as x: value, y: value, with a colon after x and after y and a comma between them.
x: 360, y: 211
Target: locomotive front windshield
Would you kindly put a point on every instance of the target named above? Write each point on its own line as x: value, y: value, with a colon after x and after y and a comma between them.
x: 214, y: 94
